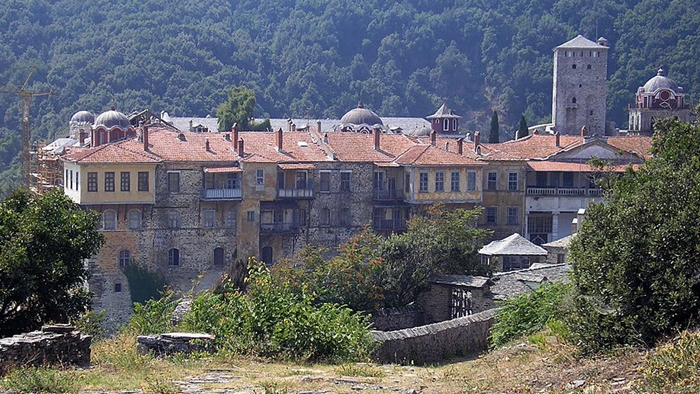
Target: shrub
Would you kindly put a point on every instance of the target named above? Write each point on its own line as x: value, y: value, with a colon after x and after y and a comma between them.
x: 153, y: 316
x: 674, y: 367
x: 270, y: 320
x: 546, y: 306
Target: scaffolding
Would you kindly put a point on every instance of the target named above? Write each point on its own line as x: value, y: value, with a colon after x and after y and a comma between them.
x: 45, y: 169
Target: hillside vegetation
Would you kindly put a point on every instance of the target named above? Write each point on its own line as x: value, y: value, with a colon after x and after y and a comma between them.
x: 318, y: 58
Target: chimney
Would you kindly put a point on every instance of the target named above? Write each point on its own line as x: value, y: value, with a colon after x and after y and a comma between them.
x: 583, y: 131
x: 433, y: 137
x: 557, y: 139
x: 234, y: 135
x: 240, y: 147
x: 574, y: 226
x: 191, y: 128
x: 289, y: 124
x: 294, y: 127
x: 279, y: 140
x: 376, y: 138
x: 206, y: 144
x: 477, y: 137
x: 81, y: 136
x: 580, y: 215
x: 318, y: 126
x: 145, y: 138
x: 325, y: 138
x: 460, y: 146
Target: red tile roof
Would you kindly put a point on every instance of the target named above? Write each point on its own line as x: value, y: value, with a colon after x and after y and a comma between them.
x: 572, y: 167
x: 429, y: 155
x: 355, y: 147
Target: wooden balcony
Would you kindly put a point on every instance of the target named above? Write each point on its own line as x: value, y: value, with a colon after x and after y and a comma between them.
x: 222, y: 194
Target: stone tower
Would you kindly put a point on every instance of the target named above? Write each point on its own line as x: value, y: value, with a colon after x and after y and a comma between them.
x: 580, y: 85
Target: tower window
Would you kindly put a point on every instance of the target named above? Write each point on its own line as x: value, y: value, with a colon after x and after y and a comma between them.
x: 591, y: 113
x: 588, y: 66
x: 573, y: 66
x: 573, y: 100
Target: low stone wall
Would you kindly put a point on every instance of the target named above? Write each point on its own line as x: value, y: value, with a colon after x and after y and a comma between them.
x: 58, y: 344
x: 391, y: 319
x: 435, y: 342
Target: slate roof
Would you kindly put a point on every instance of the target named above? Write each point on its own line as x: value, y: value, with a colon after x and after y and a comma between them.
x: 513, y: 245
x: 561, y: 242
x: 514, y: 283
x: 459, y: 280
x: 581, y: 42
x: 443, y: 112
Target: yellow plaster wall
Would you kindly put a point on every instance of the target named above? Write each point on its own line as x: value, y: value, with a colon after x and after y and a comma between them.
x: 117, y: 196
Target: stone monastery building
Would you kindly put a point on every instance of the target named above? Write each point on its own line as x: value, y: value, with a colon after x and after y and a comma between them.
x: 186, y: 204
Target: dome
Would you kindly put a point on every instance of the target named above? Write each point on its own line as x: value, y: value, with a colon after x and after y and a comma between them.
x: 661, y: 81
x: 82, y: 117
x: 420, y: 132
x: 361, y: 116
x: 111, y: 119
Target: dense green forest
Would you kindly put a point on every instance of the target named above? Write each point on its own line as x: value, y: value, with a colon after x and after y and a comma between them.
x: 317, y: 58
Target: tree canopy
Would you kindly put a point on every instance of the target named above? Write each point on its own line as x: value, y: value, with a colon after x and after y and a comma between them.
x: 637, y: 257
x: 44, y: 240
x: 522, y: 128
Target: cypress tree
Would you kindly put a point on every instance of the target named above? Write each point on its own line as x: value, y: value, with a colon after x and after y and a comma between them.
x: 522, y: 128
x: 493, y: 134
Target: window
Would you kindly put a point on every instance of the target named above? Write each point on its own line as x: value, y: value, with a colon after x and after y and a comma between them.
x: 378, y: 183
x: 561, y: 258
x: 573, y: 100
x: 230, y: 219
x: 109, y: 220
x: 491, y: 213
x: 124, y: 258
x: 568, y: 179
x: 325, y: 219
x: 208, y: 218
x: 250, y: 216
x: 173, y: 219
x: 345, y: 217
x: 423, y: 182
x: 301, y: 180
x: 232, y: 181
x: 218, y: 257
x: 173, y: 258
x: 454, y: 181
x: 134, y: 219
x: 539, y: 224
x: 573, y: 66
x: 109, y: 181
x: 77, y: 180
x: 588, y: 67
x: 65, y: 177
x: 92, y: 181
x: 512, y: 215
x: 174, y: 182
x: 125, y: 181
x: 492, y: 180
x: 143, y: 181
x: 117, y: 287
x: 512, y: 181
x: 471, y: 181
x: 407, y: 183
x: 325, y: 181
x: 259, y: 179
x: 445, y: 124
x: 439, y: 181
x: 345, y: 177
x: 70, y: 177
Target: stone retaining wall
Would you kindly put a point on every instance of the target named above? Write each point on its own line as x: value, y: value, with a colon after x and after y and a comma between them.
x: 392, y: 319
x: 435, y: 342
x: 59, y: 345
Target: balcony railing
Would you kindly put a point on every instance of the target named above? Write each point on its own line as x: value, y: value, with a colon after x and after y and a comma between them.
x: 389, y: 225
x: 222, y: 194
x: 295, y: 193
x: 562, y: 191
x: 387, y: 195
x: 269, y: 228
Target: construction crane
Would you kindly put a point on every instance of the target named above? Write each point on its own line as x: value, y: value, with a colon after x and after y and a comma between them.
x: 26, y: 131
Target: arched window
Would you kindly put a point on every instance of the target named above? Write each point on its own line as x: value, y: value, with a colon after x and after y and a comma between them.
x: 173, y: 258
x: 573, y: 100
x: 573, y: 66
x: 325, y: 219
x: 134, y: 219
x: 446, y: 124
x: 218, y: 257
x: 124, y: 258
x: 588, y: 67
x: 109, y: 220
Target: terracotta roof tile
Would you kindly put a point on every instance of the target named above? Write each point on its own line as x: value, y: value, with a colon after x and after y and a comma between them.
x: 639, y: 145
x: 355, y: 147
x: 429, y: 155
x: 534, y: 146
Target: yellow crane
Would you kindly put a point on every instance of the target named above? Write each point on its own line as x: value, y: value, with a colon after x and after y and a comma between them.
x: 26, y: 131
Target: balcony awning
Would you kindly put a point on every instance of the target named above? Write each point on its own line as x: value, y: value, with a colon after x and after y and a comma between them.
x: 296, y: 166
x: 281, y: 204
x: 218, y: 170
x: 572, y: 167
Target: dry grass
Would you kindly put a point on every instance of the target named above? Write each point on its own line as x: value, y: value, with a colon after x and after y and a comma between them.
x: 545, y: 366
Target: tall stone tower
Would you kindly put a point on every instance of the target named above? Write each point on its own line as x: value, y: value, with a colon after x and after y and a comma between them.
x: 580, y: 85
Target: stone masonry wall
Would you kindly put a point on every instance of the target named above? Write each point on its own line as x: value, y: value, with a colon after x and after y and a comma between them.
x: 435, y: 342
x: 57, y: 344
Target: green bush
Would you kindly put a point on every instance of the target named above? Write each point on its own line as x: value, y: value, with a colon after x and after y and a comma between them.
x: 153, y: 316
x: 674, y: 367
x: 546, y: 306
x: 270, y: 320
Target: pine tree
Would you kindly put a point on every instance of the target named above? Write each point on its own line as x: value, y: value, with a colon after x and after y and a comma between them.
x: 522, y: 128
x: 493, y: 134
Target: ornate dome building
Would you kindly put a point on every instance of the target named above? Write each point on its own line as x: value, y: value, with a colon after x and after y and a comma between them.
x: 659, y: 98
x: 111, y: 126
x: 361, y: 120
x: 80, y: 125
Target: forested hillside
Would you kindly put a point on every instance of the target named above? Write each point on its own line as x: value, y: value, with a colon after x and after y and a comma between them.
x: 317, y: 58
